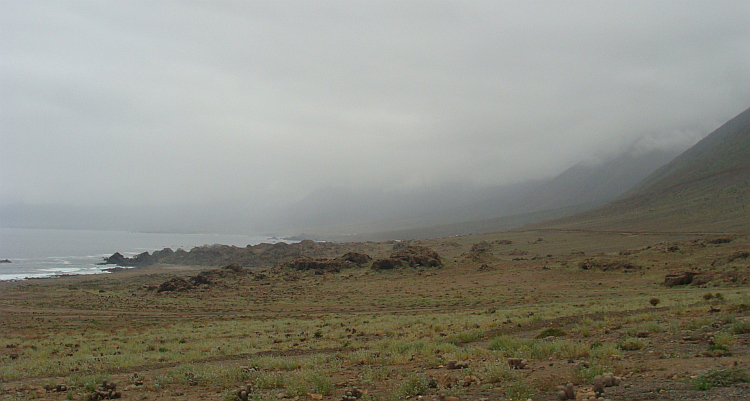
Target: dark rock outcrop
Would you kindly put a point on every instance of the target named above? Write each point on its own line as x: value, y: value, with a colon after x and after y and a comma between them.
x: 682, y: 278
x: 410, y: 256
x: 356, y: 258
x: 140, y: 260
x: 414, y: 256
x: 607, y: 265
x: 175, y: 284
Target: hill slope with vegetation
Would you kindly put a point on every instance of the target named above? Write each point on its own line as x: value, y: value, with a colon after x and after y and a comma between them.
x: 705, y: 189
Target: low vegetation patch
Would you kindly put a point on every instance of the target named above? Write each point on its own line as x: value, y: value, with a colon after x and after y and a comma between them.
x: 721, y: 378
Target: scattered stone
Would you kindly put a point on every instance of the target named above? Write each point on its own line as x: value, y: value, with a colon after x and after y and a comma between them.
x: 447, y: 381
x: 682, y: 278
x: 451, y: 365
x: 517, y: 363
x: 566, y: 392
x: 607, y: 265
x: 175, y: 284
x: 106, y: 391
x: 244, y: 393
x: 60, y: 388
x: 442, y: 397
x: 481, y: 246
x: 352, y: 395
x: 469, y: 380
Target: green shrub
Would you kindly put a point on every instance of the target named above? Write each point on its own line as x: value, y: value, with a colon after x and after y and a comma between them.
x: 724, y: 339
x: 413, y: 385
x: 520, y: 389
x: 721, y: 378
x: 497, y: 372
x: 586, y: 375
x: 604, y: 350
x: 304, y: 382
x: 741, y: 327
x: 632, y: 344
x: 551, y: 332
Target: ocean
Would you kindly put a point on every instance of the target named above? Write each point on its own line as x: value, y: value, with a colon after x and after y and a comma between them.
x: 36, y: 253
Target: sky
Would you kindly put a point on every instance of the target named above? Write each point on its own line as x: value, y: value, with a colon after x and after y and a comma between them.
x: 263, y: 102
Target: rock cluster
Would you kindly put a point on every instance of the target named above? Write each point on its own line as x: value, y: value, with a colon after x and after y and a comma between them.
x: 605, y: 380
x: 569, y: 392
x: 106, y: 391
x: 517, y: 363
x: 208, y: 277
x: 409, y: 256
x: 244, y: 394
x: 682, y: 278
x: 607, y: 265
x: 57, y: 389
x: 262, y: 255
x: 457, y: 365
x: 319, y: 266
x: 352, y: 395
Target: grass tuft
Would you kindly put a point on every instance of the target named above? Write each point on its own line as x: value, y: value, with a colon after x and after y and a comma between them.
x: 721, y: 378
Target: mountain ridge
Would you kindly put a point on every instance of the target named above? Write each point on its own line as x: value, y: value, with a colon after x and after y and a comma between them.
x: 706, y: 188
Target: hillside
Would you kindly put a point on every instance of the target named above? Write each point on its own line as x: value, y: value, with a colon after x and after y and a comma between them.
x: 705, y: 189
x: 338, y: 213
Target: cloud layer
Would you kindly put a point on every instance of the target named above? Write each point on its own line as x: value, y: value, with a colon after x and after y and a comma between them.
x: 264, y: 102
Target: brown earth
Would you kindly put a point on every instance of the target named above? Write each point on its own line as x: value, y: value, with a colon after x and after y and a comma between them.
x: 368, y: 329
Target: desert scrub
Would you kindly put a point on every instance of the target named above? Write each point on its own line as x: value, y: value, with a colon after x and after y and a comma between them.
x: 586, y: 375
x: 632, y: 344
x: 363, y: 357
x: 308, y: 381
x: 413, y: 385
x: 87, y: 382
x: 641, y: 317
x: 551, y: 332
x: 651, y: 327
x: 698, y: 323
x: 724, y: 339
x: 204, y: 375
x: 741, y: 327
x: 266, y: 380
x: 372, y: 374
x: 461, y: 353
x: 570, y: 349
x: 537, y: 349
x: 604, y: 350
x: 497, y: 372
x: 519, y: 389
x: 274, y: 363
x: 721, y: 378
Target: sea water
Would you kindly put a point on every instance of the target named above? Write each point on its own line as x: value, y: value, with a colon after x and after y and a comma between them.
x: 37, y: 253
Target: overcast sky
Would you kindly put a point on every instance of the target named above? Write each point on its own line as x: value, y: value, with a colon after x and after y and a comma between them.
x: 169, y: 102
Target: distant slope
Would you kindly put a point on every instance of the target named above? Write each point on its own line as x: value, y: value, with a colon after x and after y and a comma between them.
x: 586, y: 186
x: 705, y: 189
x: 460, y: 210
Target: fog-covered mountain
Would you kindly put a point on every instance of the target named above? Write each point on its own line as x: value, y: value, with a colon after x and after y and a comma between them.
x: 705, y: 189
x: 344, y: 212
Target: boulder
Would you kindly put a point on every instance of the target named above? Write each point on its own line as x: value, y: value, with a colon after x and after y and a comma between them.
x: 356, y: 258
x: 385, y: 264
x: 175, y: 284
x: 681, y: 278
x: 415, y: 255
x: 115, y: 259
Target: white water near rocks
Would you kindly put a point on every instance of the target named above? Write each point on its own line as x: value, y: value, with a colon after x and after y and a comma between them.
x: 49, y: 252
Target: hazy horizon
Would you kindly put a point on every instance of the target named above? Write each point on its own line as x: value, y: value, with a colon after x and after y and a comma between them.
x: 191, y: 107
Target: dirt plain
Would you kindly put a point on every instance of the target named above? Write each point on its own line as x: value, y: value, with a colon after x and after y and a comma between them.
x: 573, y: 304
